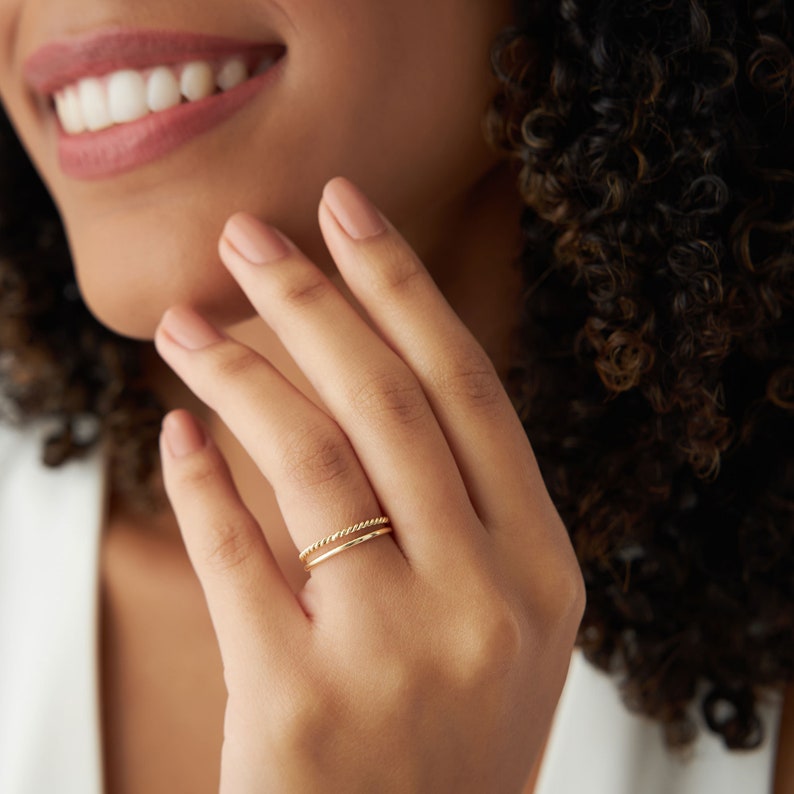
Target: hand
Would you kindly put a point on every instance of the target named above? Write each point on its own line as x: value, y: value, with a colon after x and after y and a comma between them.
x: 426, y: 660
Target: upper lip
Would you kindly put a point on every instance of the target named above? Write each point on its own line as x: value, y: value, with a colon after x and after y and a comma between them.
x: 68, y: 60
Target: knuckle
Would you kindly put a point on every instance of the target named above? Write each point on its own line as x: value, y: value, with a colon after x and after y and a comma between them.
x: 469, y: 377
x: 400, y: 271
x: 198, y: 472
x: 306, y: 714
x: 562, y: 597
x: 393, y: 684
x: 506, y: 634
x: 490, y: 642
x: 228, y: 545
x: 303, y: 287
x: 235, y: 362
x: 576, y: 596
x: 393, y: 395
x: 317, y: 456
x: 570, y: 591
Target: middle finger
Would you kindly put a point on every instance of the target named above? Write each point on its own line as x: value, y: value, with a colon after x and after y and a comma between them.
x: 369, y: 389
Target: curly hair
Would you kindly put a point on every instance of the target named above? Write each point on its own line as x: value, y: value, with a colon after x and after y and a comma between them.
x: 654, y: 366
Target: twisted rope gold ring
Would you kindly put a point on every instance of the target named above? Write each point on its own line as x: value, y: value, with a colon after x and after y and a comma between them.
x: 370, y: 522
x: 345, y: 546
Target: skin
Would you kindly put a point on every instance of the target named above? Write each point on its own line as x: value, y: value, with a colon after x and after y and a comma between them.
x: 465, y: 615
x: 340, y: 107
x: 432, y: 651
x: 441, y: 647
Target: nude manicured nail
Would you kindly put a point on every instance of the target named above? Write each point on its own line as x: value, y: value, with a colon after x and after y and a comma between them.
x: 352, y: 210
x: 189, y: 330
x: 255, y: 241
x: 182, y: 434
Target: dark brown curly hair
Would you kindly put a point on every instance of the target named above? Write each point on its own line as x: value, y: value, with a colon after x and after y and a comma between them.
x: 654, y: 367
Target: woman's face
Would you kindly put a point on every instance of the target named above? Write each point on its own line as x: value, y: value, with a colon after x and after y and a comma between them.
x: 389, y: 93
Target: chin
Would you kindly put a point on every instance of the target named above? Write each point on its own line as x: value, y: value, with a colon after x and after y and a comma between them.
x: 130, y: 301
x: 136, y: 315
x: 131, y: 267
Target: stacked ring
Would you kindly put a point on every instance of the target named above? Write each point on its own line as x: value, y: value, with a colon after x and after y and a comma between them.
x: 381, y: 521
x: 345, y: 546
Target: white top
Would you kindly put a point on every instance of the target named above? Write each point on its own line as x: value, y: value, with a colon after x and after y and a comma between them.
x: 50, y: 738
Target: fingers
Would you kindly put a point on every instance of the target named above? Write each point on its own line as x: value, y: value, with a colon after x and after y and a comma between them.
x: 422, y: 429
x: 477, y: 417
x: 249, y: 600
x: 440, y: 367
x: 301, y: 451
x: 370, y: 391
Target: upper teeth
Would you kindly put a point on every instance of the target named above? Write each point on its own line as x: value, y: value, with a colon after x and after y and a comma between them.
x: 95, y: 103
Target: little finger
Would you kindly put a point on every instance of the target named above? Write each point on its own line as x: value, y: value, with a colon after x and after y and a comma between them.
x: 253, y: 610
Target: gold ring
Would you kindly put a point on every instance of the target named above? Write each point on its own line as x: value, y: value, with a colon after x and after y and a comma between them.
x: 370, y: 522
x: 345, y: 546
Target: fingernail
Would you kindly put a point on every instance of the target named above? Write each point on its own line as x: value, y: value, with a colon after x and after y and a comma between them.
x: 255, y: 241
x: 352, y: 210
x: 188, y: 329
x: 182, y: 434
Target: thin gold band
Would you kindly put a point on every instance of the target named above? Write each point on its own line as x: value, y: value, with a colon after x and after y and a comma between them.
x: 345, y: 546
x: 370, y: 522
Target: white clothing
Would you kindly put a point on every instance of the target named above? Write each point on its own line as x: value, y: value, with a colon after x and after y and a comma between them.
x: 50, y: 737
x: 50, y: 521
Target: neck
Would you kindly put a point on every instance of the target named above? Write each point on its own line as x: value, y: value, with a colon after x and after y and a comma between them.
x: 471, y: 247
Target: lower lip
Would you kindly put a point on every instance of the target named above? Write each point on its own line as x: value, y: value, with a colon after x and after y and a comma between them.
x: 122, y: 148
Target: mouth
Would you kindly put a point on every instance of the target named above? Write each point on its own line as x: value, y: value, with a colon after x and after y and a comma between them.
x: 125, y: 97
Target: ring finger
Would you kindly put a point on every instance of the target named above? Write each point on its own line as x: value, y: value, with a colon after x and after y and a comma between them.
x: 318, y: 480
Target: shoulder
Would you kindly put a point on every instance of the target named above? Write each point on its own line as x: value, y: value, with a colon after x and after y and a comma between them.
x: 33, y: 494
x: 14, y: 436
x: 50, y: 522
x: 20, y: 454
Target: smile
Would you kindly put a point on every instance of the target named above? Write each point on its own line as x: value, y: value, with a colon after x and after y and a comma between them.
x: 123, y: 98
x: 96, y: 103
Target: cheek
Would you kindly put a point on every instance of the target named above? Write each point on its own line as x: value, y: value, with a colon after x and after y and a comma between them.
x: 401, y: 107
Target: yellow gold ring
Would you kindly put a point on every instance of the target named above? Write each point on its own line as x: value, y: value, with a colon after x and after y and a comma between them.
x: 370, y: 522
x: 345, y: 546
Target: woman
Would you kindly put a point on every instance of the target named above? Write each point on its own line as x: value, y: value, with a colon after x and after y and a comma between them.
x: 645, y: 340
